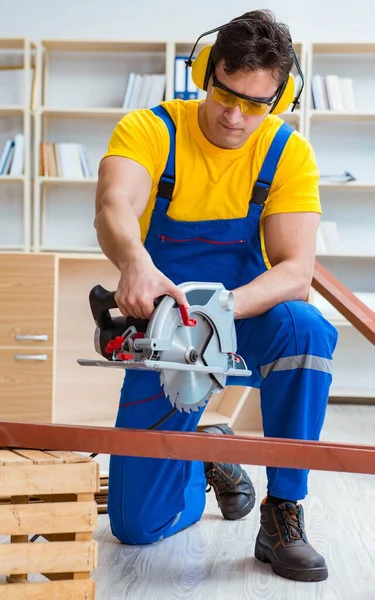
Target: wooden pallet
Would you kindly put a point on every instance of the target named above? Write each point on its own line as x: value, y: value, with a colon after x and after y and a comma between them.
x: 101, y: 497
x: 50, y: 494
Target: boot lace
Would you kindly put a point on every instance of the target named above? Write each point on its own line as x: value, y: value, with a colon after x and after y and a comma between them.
x: 292, y: 523
x: 220, y: 482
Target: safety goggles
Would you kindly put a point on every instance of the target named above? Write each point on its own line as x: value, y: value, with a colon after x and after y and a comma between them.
x: 248, y: 105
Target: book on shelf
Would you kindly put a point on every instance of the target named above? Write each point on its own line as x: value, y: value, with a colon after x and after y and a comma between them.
x: 331, y: 92
x: 184, y: 86
x: 64, y: 160
x: 143, y: 91
x: 328, y: 238
x: 12, y: 158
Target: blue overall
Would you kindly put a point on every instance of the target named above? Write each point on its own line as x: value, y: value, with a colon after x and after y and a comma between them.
x: 288, y: 349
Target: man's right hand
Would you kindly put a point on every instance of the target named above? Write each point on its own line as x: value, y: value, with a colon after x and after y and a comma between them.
x: 140, y: 284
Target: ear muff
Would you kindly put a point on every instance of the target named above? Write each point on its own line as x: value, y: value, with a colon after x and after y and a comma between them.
x: 202, y: 67
x: 285, y: 97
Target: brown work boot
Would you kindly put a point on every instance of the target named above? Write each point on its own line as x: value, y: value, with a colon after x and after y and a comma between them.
x: 234, y: 491
x: 282, y: 542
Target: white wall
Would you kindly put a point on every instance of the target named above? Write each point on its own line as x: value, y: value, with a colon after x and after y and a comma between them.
x: 318, y: 20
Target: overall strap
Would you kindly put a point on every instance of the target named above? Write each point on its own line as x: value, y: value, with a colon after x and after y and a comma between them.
x: 167, y: 180
x: 262, y: 185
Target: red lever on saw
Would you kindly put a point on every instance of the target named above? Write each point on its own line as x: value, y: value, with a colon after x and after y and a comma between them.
x: 184, y: 311
x: 114, y: 344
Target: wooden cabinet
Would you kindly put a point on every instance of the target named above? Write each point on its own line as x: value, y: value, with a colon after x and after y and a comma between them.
x: 46, y: 325
x: 27, y: 292
x: 26, y: 384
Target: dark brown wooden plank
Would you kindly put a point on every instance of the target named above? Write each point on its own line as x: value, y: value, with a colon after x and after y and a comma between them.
x: 343, y: 299
x: 271, y: 452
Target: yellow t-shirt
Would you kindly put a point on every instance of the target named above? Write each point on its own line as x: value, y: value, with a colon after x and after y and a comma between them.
x: 212, y: 182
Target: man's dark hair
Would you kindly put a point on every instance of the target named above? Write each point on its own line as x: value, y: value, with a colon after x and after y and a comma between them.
x: 255, y: 41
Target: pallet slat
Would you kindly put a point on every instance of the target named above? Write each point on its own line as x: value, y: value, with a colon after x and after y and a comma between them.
x: 8, y: 457
x: 51, y: 494
x: 81, y: 589
x: 38, y: 457
x: 56, y: 557
x: 29, y: 479
x: 55, y: 517
x: 69, y: 457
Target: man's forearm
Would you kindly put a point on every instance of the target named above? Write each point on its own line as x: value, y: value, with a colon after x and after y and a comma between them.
x: 119, y: 234
x: 283, y: 282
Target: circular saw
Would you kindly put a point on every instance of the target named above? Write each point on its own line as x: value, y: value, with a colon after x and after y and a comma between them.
x: 192, y: 348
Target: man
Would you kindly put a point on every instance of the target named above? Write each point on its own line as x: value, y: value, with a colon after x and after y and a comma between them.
x: 221, y: 190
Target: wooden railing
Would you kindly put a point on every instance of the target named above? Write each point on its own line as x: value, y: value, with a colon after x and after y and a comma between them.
x: 183, y: 445
x: 357, y: 313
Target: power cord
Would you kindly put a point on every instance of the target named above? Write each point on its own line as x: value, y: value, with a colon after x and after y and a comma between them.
x: 157, y: 424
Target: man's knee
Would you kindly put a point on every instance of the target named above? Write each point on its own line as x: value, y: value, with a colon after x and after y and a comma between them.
x: 311, y: 329
x: 132, y: 529
x: 293, y: 328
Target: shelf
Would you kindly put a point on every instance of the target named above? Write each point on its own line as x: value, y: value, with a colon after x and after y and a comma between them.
x: 88, y: 113
x: 103, y: 46
x: 97, y: 255
x: 60, y: 181
x: 352, y: 393
x: 11, y: 111
x: 342, y: 48
x: 12, y: 248
x: 357, y: 185
x: 75, y: 251
x: 331, y: 115
x: 11, y: 179
x: 338, y: 322
x: 12, y: 44
x: 212, y: 417
x: 333, y: 315
x: 342, y: 255
x: 291, y: 117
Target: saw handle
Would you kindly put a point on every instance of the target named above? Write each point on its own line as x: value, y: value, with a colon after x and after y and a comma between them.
x: 101, y: 302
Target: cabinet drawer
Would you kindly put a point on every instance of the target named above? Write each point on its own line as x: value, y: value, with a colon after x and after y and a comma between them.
x: 26, y: 376
x: 27, y: 289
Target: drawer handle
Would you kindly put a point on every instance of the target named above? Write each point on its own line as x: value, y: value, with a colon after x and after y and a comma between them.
x: 30, y: 356
x: 42, y: 338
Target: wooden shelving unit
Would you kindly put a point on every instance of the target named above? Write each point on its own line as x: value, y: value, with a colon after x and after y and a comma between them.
x: 96, y: 73
x: 16, y: 58
x: 343, y: 141
x: 78, y: 93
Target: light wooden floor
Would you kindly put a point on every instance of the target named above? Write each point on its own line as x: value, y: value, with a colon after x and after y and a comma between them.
x: 213, y: 560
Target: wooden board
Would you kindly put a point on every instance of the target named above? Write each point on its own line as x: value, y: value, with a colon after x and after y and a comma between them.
x: 56, y: 517
x: 48, y: 557
x: 272, y: 452
x: 9, y: 457
x: 37, y: 457
x: 343, y: 299
x: 29, y: 479
x: 83, y: 589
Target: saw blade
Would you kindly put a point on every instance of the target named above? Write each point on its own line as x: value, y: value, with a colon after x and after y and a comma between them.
x: 189, y: 390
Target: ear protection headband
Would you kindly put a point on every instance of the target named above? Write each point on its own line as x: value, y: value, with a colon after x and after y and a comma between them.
x: 203, y: 67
